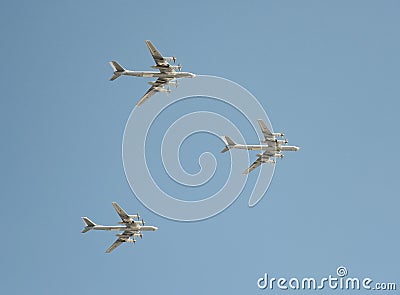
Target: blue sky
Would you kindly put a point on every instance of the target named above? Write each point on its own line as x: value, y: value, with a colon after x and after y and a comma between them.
x: 326, y: 72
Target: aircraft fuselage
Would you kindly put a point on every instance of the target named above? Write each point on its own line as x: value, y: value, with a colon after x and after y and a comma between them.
x: 150, y: 74
x: 133, y: 227
x: 264, y: 147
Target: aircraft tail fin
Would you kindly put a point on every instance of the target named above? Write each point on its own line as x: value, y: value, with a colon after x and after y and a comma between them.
x: 117, y: 69
x: 228, y: 142
x: 89, y: 224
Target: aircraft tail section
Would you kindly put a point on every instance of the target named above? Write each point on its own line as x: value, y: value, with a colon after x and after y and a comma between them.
x: 116, y: 66
x: 117, y: 69
x: 89, y: 224
x: 228, y: 142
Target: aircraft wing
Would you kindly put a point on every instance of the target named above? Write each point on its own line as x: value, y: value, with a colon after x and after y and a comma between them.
x: 121, y: 239
x: 269, y: 137
x: 158, y: 58
x: 253, y: 166
x: 160, y: 82
x: 124, y: 216
x: 264, y: 158
x: 118, y: 242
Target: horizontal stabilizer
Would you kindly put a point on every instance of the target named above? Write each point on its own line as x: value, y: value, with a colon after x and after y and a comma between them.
x: 229, y: 141
x: 86, y: 229
x: 116, y: 66
x: 117, y: 69
x: 225, y: 150
x: 89, y: 224
x: 114, y: 77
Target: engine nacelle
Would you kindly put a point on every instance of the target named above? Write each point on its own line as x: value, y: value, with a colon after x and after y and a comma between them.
x: 284, y: 141
x: 270, y: 161
x: 178, y: 67
x: 278, y: 156
x: 173, y: 83
x: 159, y: 67
x: 123, y: 222
x: 130, y: 240
x: 170, y: 58
x: 265, y: 159
x: 141, y: 222
x: 280, y: 134
x: 135, y: 216
x: 162, y: 89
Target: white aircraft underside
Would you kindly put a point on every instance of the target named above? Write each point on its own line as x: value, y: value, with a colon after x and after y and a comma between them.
x: 263, y: 147
x: 166, y: 74
x: 129, y: 226
x: 272, y: 148
x: 174, y: 75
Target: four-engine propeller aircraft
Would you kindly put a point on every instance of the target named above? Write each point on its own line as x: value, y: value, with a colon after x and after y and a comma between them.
x: 167, y: 75
x: 271, y: 146
x: 129, y: 226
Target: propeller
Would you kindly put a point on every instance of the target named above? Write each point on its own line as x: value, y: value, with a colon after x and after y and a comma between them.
x: 143, y: 222
x: 179, y: 67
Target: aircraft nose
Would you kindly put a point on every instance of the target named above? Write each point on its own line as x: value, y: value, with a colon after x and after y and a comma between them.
x: 155, y: 228
x: 193, y: 75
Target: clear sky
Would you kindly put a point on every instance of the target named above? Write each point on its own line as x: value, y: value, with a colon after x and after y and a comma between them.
x: 326, y: 73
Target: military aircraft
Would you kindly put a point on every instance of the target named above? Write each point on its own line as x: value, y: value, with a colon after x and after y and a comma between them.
x: 129, y: 226
x: 167, y: 74
x: 271, y: 146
